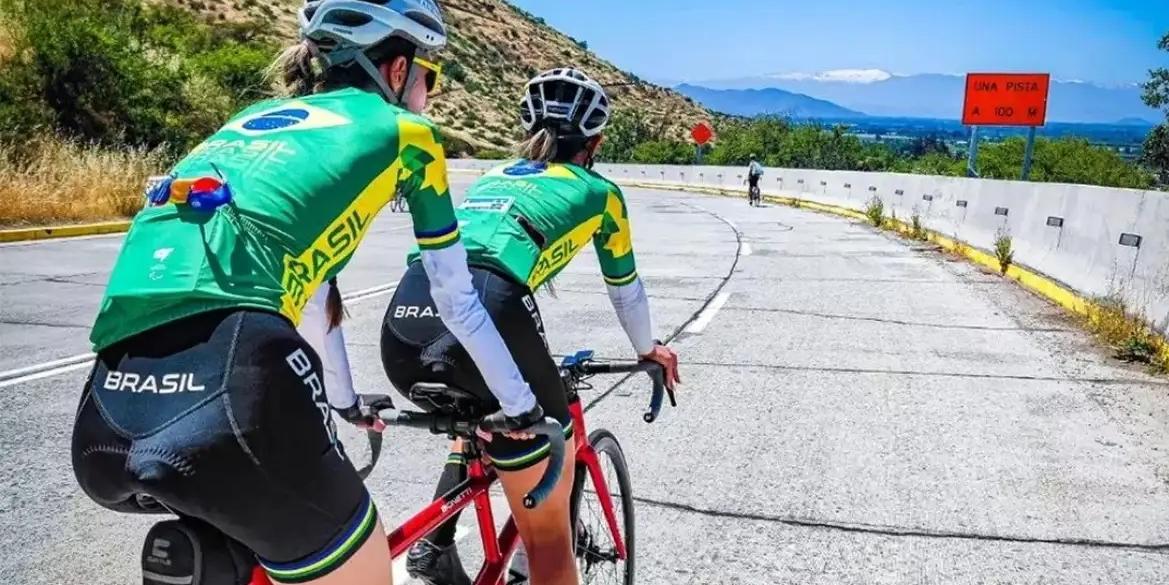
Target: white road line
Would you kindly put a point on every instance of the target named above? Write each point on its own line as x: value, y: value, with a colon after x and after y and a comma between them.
x: 399, y: 567
x: 85, y: 360
x: 69, y: 361
x: 47, y: 373
x: 745, y: 249
x: 708, y: 313
x: 369, y: 293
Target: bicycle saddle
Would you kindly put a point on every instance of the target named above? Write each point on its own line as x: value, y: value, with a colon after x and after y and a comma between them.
x: 445, y: 399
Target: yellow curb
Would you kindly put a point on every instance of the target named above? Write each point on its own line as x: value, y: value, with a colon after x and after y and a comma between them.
x: 63, y: 231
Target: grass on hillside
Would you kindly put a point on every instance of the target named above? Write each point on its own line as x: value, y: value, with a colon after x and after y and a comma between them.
x: 55, y: 181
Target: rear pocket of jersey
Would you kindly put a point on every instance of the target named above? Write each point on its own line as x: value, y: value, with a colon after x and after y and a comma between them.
x: 164, y: 255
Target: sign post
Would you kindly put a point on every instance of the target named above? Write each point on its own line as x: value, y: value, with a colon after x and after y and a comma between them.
x: 1005, y: 99
x: 972, y: 154
x: 1027, y: 155
x: 702, y: 134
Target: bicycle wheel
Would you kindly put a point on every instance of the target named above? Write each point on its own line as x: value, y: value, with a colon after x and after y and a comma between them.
x: 596, y: 553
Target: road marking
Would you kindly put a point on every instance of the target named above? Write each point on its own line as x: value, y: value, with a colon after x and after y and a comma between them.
x: 370, y: 293
x: 399, y: 566
x: 708, y: 313
x: 85, y: 360
x: 48, y: 373
x: 745, y: 249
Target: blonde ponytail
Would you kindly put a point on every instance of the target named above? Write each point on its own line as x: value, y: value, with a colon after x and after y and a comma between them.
x: 296, y: 69
x: 539, y: 147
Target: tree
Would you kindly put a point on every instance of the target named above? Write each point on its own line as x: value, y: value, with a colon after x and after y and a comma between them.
x: 1064, y: 160
x: 1156, y: 149
x: 1157, y: 87
x: 626, y: 130
x: 1156, y: 152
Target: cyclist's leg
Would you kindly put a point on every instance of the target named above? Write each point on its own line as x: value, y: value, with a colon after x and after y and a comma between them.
x: 546, y: 531
x: 411, y: 325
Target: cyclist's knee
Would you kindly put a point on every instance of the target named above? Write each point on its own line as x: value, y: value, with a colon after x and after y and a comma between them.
x: 551, y: 516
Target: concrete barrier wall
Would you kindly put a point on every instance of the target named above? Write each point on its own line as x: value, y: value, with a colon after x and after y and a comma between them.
x: 1071, y: 233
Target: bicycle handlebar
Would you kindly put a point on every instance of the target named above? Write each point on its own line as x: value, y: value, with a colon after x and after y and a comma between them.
x: 439, y: 424
x: 656, y: 373
x: 551, y: 429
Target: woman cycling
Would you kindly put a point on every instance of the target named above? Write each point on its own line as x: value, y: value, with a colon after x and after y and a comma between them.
x: 204, y: 398
x: 522, y: 223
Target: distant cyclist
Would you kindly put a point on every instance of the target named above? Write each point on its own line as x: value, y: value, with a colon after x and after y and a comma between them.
x: 522, y: 223
x: 754, y: 174
x: 204, y: 397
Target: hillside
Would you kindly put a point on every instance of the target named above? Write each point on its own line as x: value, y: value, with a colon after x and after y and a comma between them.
x: 754, y: 102
x: 494, y: 49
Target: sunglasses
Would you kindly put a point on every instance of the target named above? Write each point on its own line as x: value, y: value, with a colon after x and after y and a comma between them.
x: 432, y: 71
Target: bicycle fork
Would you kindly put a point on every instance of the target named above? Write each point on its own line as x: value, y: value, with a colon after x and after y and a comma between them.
x: 588, y: 456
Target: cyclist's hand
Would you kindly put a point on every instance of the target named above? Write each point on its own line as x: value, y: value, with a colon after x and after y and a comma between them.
x: 364, y: 413
x: 668, y: 358
x: 511, y: 427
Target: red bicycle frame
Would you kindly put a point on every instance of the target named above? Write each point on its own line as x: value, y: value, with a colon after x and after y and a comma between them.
x: 497, y: 548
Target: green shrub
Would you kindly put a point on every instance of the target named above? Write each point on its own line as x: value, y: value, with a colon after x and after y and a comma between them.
x: 918, y: 230
x: 493, y: 154
x: 666, y: 152
x: 119, y: 72
x: 875, y: 211
x: 455, y: 71
x: 1004, y: 249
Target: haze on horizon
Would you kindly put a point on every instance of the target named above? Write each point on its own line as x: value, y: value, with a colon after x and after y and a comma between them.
x: 1107, y: 42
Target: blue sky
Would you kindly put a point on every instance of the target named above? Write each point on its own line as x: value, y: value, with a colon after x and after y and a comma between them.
x: 1110, y: 42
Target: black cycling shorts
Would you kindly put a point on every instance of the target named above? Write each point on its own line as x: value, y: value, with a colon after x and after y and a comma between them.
x: 223, y: 417
x: 417, y: 347
x: 753, y: 180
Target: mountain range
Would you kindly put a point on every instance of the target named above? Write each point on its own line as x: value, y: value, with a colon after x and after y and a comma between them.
x: 753, y: 102
x: 878, y: 93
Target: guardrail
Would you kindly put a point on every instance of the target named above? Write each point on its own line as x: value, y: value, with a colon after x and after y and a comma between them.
x: 1096, y: 241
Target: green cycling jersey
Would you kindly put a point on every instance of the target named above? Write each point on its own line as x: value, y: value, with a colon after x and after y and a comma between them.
x: 530, y: 219
x: 307, y: 177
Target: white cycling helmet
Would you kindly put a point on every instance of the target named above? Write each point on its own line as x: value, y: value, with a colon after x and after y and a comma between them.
x: 567, y: 98
x: 343, y: 30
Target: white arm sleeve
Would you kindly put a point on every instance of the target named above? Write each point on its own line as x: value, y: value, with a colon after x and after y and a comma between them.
x: 463, y: 314
x: 632, y: 308
x: 330, y: 347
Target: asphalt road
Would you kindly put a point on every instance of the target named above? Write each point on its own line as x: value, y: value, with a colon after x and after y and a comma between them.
x: 857, y: 410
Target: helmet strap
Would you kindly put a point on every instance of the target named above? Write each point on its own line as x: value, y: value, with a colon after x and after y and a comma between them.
x: 394, y: 98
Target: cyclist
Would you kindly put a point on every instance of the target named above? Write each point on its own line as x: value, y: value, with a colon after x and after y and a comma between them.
x: 754, y: 173
x: 522, y: 223
x: 204, y: 397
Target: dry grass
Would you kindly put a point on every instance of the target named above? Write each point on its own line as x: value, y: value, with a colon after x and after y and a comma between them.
x: 54, y: 181
x: 1110, y: 319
